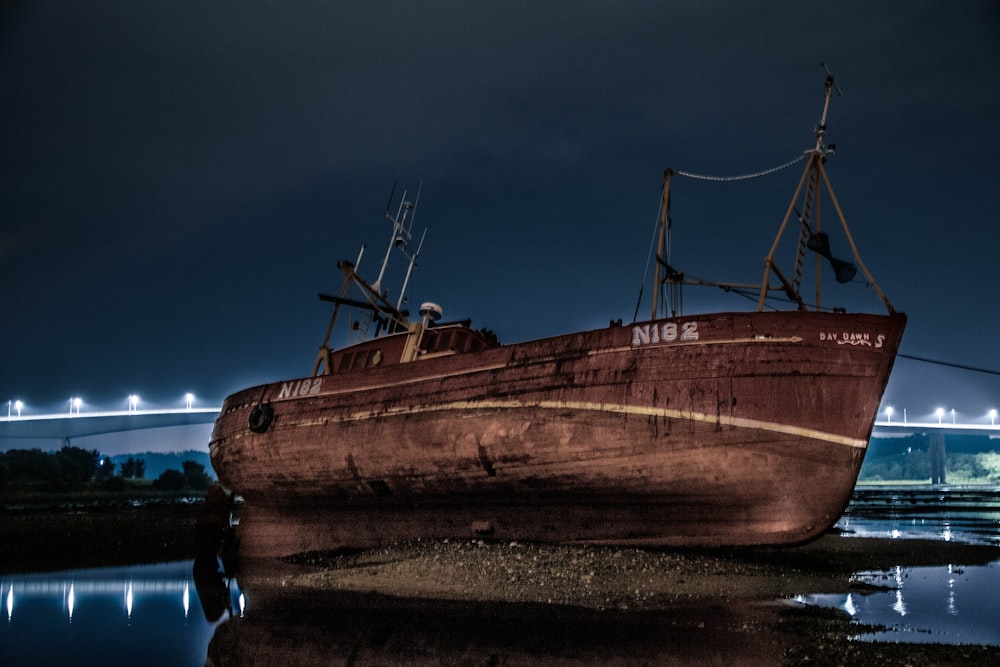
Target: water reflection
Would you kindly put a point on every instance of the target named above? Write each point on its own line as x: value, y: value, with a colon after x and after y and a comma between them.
x: 947, y: 604
x: 323, y: 627
x: 965, y: 514
x: 150, y: 614
x: 177, y: 614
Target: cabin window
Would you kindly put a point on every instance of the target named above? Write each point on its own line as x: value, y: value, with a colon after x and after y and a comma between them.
x: 345, y: 361
x: 360, y: 360
x: 430, y: 342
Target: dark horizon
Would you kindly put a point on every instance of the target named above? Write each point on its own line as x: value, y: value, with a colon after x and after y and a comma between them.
x: 180, y: 181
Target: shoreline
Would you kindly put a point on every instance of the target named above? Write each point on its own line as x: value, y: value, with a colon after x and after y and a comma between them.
x: 608, y: 577
x: 691, y: 606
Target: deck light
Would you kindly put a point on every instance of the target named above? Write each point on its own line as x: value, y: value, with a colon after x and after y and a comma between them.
x: 188, y: 399
x: 888, y: 414
x: 993, y: 416
x: 940, y: 413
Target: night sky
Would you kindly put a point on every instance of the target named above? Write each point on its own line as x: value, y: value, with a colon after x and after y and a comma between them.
x: 179, y: 179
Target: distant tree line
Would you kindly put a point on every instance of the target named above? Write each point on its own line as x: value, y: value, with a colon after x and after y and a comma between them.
x: 69, y: 467
x: 73, y: 468
x: 970, y: 459
x: 132, y: 468
x: 193, y: 478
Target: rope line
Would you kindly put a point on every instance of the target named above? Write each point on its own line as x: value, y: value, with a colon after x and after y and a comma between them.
x: 741, y: 177
x: 949, y: 364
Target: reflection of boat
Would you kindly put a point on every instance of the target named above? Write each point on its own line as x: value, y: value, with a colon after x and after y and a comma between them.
x: 717, y: 429
x: 324, y: 627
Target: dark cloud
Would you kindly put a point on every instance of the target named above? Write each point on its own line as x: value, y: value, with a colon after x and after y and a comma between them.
x: 177, y: 181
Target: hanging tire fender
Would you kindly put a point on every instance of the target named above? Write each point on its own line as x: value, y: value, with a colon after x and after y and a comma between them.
x: 261, y: 417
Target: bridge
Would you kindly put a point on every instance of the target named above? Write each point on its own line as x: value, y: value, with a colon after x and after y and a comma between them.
x: 935, y: 433
x: 67, y: 426
x: 887, y: 429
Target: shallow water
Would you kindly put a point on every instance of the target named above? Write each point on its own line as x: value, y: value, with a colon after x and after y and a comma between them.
x: 949, y: 604
x: 968, y: 514
x: 143, y: 614
x: 161, y: 615
x: 953, y: 604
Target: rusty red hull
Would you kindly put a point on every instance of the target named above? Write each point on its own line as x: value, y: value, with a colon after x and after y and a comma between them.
x: 727, y: 429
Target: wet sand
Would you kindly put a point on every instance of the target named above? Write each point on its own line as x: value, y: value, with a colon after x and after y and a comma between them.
x: 624, y: 579
x: 470, y: 601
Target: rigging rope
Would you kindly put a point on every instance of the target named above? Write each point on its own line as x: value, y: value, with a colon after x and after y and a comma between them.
x: 741, y: 177
x: 649, y: 259
x: 702, y: 177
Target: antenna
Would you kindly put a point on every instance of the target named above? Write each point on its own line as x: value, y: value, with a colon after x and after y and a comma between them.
x: 400, y: 235
x: 831, y: 87
x: 830, y: 81
x: 392, y: 192
x: 409, y: 271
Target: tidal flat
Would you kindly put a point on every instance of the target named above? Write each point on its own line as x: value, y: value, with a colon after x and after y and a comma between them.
x: 434, y: 601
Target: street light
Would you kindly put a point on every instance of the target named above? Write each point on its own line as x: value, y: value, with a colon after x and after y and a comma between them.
x: 189, y: 399
x: 953, y: 415
x: 133, y: 401
x: 993, y: 416
x: 888, y: 414
x: 940, y: 413
x: 75, y: 402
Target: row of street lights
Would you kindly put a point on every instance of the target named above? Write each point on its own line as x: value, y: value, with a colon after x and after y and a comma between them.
x: 940, y: 412
x: 14, y: 407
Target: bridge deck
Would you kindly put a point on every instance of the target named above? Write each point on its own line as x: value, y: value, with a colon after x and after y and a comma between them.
x: 66, y: 426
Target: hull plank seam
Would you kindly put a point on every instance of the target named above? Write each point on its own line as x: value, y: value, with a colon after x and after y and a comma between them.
x: 722, y: 420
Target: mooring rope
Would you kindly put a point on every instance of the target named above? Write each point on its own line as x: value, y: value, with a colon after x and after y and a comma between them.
x: 950, y: 364
x: 741, y: 177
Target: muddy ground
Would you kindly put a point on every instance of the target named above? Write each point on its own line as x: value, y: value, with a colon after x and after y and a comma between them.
x: 483, y: 602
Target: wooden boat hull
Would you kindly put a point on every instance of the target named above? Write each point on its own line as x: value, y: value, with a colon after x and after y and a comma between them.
x: 727, y: 429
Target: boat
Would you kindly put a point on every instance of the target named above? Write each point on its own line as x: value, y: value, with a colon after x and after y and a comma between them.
x: 708, y: 430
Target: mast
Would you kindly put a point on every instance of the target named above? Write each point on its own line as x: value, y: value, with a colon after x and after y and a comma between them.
x: 813, y: 183
x: 663, y: 271
x: 805, y: 205
x: 374, y: 301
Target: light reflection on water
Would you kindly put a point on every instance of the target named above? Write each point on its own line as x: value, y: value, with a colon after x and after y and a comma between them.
x: 144, y: 614
x: 946, y: 604
x: 964, y: 514
x: 952, y: 604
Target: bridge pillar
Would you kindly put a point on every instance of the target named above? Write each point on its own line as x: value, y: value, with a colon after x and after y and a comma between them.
x: 939, y: 468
